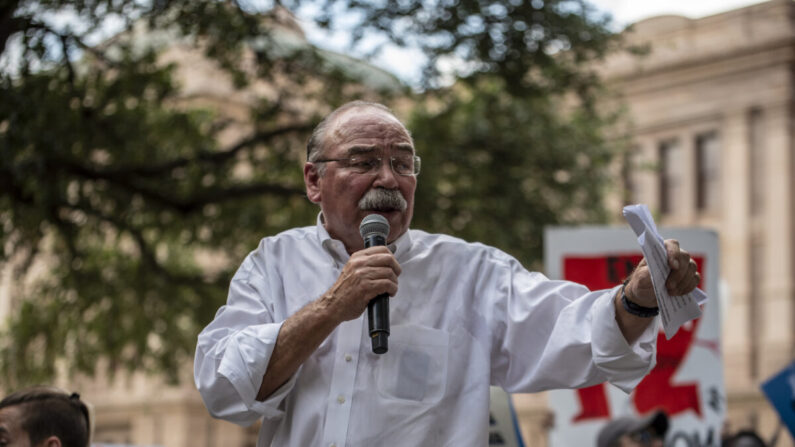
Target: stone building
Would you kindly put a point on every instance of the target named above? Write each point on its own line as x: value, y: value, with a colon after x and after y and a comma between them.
x: 711, y: 107
x: 711, y: 112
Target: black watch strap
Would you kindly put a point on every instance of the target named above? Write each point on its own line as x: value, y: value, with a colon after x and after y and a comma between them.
x: 636, y: 309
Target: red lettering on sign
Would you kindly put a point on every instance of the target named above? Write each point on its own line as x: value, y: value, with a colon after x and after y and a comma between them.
x: 593, y: 403
x: 656, y: 389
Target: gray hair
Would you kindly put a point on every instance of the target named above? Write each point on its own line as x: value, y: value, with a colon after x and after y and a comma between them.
x: 317, y: 142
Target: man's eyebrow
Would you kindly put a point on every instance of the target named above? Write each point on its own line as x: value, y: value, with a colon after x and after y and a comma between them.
x: 404, y: 148
x: 356, y: 150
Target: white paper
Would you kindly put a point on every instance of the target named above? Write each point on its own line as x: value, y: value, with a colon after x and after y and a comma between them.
x: 674, y: 310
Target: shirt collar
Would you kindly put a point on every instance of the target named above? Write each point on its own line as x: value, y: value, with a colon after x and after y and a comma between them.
x: 337, y: 250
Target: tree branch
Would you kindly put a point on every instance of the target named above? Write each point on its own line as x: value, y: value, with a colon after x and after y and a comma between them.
x: 8, y: 23
x: 147, y: 255
x: 205, y: 156
x: 184, y: 206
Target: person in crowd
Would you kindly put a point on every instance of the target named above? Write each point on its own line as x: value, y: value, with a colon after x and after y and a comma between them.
x: 43, y: 417
x: 744, y: 438
x: 630, y: 431
x: 291, y: 346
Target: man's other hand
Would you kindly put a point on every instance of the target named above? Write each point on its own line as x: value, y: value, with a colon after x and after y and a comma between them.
x: 682, y: 279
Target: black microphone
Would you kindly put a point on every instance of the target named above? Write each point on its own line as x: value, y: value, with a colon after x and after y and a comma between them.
x: 374, y: 230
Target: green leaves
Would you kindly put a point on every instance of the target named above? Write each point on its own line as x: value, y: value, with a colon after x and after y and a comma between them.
x: 535, y: 47
x: 498, y: 168
x: 126, y: 206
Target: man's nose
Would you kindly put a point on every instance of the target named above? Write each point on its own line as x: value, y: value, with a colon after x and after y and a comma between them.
x: 386, y: 176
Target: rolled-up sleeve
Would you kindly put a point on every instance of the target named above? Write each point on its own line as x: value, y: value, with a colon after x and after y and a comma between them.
x: 623, y: 364
x: 558, y: 334
x: 233, y: 352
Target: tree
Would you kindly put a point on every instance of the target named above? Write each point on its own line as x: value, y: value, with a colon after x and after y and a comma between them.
x: 498, y: 168
x: 117, y: 186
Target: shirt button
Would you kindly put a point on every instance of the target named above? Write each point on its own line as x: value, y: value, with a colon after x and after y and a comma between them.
x: 348, y: 357
x: 341, y: 399
x: 333, y: 444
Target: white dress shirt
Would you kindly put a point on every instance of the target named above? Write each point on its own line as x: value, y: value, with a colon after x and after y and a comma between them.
x: 465, y: 316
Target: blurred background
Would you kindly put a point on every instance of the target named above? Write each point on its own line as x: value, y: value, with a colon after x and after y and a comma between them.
x: 146, y: 147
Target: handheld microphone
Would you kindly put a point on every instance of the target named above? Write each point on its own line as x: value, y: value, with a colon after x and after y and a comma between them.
x: 374, y: 230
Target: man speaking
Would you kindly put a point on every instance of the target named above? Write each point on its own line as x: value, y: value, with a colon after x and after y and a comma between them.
x: 292, y: 347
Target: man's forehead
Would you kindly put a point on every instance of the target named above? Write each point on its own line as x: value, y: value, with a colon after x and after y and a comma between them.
x: 369, y: 122
x: 365, y: 112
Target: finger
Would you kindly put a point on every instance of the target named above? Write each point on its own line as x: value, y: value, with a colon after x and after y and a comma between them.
x: 381, y: 259
x: 376, y: 258
x: 384, y: 260
x: 687, y: 268
x: 383, y: 286
x: 681, y: 279
x: 672, y: 249
x: 679, y: 276
x: 687, y: 286
x: 378, y: 249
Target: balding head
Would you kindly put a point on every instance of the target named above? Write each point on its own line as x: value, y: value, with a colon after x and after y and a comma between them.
x: 319, y: 140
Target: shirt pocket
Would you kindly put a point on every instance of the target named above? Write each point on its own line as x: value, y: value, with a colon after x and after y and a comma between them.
x: 415, y: 367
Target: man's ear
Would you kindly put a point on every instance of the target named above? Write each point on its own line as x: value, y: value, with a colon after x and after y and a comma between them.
x: 52, y: 441
x: 312, y: 182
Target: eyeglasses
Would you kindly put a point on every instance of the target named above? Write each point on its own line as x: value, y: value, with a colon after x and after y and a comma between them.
x: 369, y: 165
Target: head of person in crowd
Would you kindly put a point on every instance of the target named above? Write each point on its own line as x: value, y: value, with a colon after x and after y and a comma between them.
x: 647, y: 431
x: 43, y: 417
x: 744, y: 438
x: 360, y: 161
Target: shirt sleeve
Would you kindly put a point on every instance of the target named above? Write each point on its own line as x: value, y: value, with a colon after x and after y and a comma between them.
x: 233, y: 352
x: 557, y: 334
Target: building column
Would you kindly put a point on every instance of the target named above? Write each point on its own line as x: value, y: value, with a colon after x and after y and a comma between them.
x: 776, y: 233
x: 687, y: 203
x: 734, y: 248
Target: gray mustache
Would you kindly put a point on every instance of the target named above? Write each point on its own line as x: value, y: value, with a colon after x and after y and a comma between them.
x: 380, y: 199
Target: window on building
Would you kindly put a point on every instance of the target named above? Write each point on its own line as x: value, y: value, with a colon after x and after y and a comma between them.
x: 120, y: 434
x: 628, y: 177
x: 756, y: 165
x: 670, y: 156
x: 707, y: 172
x: 756, y: 303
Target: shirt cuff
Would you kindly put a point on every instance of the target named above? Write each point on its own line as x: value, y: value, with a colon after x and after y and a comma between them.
x: 244, y: 364
x: 624, y: 365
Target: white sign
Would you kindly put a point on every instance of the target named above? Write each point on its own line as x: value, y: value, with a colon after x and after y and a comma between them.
x: 503, y: 424
x: 687, y: 382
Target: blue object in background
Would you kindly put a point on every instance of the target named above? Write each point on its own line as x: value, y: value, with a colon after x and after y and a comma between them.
x: 780, y: 391
x: 503, y: 424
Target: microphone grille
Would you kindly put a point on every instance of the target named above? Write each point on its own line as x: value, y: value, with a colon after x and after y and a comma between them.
x: 374, y: 224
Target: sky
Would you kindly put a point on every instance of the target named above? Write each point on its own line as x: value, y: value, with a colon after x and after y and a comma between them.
x: 628, y: 11
x: 405, y: 64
